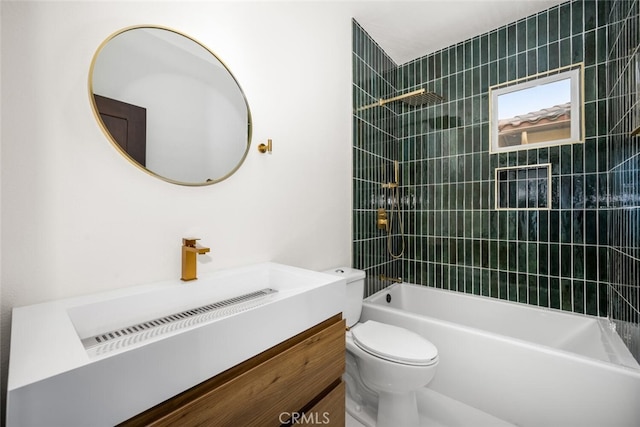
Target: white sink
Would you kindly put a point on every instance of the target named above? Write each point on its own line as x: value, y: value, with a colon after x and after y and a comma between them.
x: 56, y: 378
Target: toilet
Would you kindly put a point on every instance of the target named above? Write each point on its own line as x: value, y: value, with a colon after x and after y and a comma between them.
x: 384, y: 362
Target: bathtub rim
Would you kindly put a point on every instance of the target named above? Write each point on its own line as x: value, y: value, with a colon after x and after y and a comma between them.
x: 369, y: 302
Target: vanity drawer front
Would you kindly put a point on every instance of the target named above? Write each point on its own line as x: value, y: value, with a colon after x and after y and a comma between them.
x: 263, y: 390
x: 330, y: 411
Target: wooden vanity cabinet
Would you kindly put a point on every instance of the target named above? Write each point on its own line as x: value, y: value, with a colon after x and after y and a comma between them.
x: 297, y: 382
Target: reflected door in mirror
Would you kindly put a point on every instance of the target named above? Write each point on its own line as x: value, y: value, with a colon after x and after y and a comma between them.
x: 127, y: 124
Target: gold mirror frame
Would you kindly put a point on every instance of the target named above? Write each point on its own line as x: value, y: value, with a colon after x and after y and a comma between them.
x: 112, y: 139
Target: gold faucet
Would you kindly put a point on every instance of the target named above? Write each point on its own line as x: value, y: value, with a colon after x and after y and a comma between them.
x: 189, y: 251
x: 391, y: 279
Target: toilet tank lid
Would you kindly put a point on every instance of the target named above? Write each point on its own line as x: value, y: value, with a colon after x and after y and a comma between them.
x: 351, y: 274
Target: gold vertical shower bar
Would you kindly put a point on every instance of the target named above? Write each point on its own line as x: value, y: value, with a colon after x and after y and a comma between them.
x: 396, y: 167
x: 396, y: 174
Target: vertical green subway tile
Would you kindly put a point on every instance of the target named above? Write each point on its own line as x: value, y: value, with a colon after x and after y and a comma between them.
x: 554, y: 259
x: 502, y: 70
x: 444, y: 63
x: 502, y: 42
x: 468, y: 55
x: 601, y: 45
x: 591, y: 119
x: 591, y: 263
x: 554, y: 292
x: 577, y: 17
x: 542, y: 59
x: 532, y: 258
x: 602, y: 81
x: 468, y: 280
x: 492, y: 46
x: 543, y: 30
x: 543, y: 286
x: 521, y: 65
x: 577, y: 49
x: 565, y: 52
x: 502, y: 285
x: 578, y: 262
x: 590, y: 13
x: 554, y: 55
x: 460, y: 57
x: 578, y: 296
x: 475, y: 52
x: 543, y: 259
x: 566, y: 260
x: 589, y: 51
x: 532, y: 62
x: 484, y: 49
x: 590, y: 84
x: 566, y: 161
x: 602, y: 299
x: 485, y: 283
x: 565, y: 20
x: 512, y: 40
x: 533, y: 290
x: 602, y: 124
x: 565, y: 225
x: 512, y: 287
x: 532, y: 32
x: 566, y: 294
x: 512, y: 256
x: 591, y: 296
x: 521, y: 36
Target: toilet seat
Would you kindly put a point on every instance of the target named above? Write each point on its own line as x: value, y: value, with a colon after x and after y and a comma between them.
x: 394, y: 344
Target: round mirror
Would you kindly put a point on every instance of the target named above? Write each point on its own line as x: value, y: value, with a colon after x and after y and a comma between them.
x: 170, y: 106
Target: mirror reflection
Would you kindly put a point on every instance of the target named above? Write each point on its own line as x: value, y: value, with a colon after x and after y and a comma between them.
x: 541, y: 112
x: 170, y: 105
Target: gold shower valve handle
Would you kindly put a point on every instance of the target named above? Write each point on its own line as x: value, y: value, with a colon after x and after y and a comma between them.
x: 266, y: 148
x: 382, y: 221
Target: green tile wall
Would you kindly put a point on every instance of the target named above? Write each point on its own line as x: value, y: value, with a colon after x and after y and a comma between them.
x: 375, y: 148
x: 624, y: 172
x: 546, y: 258
x: 582, y: 254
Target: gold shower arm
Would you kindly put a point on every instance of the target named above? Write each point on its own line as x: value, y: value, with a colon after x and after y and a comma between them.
x: 382, y: 102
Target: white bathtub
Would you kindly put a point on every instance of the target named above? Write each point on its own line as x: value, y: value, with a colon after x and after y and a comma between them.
x: 526, y: 365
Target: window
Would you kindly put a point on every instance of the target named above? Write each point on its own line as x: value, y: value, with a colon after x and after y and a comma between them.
x: 539, y: 112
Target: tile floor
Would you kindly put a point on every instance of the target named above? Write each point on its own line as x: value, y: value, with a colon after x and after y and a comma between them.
x: 437, y: 410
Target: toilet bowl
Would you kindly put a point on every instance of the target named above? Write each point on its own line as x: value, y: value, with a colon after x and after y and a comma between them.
x: 391, y: 362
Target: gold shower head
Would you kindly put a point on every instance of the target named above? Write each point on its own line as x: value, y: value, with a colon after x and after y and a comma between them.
x: 422, y: 97
x: 414, y: 98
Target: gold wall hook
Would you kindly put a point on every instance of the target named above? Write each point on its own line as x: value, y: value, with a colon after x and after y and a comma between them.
x: 265, y: 148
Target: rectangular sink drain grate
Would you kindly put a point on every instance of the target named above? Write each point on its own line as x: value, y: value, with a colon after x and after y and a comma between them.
x: 109, y: 341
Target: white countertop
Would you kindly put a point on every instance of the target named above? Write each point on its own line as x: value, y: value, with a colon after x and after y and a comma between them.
x: 55, y: 380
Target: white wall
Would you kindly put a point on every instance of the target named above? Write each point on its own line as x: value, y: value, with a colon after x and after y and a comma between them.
x: 77, y: 218
x: 2, y: 334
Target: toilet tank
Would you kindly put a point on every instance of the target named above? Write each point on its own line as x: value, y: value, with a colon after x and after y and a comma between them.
x: 355, y: 292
